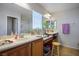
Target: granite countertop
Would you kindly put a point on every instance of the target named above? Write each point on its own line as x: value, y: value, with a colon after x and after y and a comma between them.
x: 50, y: 35
x: 17, y: 43
x: 52, y: 32
x: 47, y: 37
x: 22, y: 41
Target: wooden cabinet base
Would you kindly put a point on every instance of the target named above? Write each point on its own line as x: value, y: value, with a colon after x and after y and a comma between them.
x: 34, y: 48
x: 37, y: 48
x: 23, y: 50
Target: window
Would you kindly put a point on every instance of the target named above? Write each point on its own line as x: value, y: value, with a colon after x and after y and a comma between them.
x: 37, y: 20
x: 53, y: 24
x: 49, y: 24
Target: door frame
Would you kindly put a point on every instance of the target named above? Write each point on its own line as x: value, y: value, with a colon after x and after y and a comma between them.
x: 16, y: 31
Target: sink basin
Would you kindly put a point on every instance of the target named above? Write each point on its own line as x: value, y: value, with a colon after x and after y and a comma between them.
x: 3, y: 42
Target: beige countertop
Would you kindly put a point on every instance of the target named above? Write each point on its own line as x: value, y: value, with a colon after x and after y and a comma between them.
x: 22, y: 41
x: 17, y: 43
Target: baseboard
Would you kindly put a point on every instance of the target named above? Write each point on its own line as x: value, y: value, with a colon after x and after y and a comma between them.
x: 70, y: 47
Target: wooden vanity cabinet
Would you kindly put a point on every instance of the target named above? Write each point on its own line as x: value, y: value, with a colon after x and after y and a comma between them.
x: 23, y: 50
x: 37, y: 47
x: 34, y: 48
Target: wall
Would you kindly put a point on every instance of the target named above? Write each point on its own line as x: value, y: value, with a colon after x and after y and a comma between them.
x: 26, y: 23
x: 38, y: 8
x: 2, y: 23
x: 71, y: 17
x: 4, y: 12
x: 24, y: 17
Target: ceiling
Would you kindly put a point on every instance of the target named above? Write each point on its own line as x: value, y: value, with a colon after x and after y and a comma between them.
x: 58, y: 7
x: 41, y: 7
x: 15, y: 8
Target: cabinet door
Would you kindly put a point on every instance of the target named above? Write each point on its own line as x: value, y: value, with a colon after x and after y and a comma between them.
x: 23, y: 50
x: 11, y: 52
x: 37, y: 47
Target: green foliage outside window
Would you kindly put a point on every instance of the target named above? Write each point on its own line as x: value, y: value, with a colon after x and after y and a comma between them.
x: 49, y: 24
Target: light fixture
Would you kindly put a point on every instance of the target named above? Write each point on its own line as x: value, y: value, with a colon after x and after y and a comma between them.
x: 47, y: 15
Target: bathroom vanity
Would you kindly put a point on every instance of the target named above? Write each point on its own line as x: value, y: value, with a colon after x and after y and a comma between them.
x: 33, y: 46
x: 26, y: 47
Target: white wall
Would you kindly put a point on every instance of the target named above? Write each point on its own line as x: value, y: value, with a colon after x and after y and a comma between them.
x: 26, y: 23
x: 17, y: 12
x: 3, y: 23
x: 37, y: 8
x: 4, y: 12
x: 71, y: 17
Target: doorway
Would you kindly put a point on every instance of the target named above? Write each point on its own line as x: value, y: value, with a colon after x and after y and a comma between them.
x: 12, y: 25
